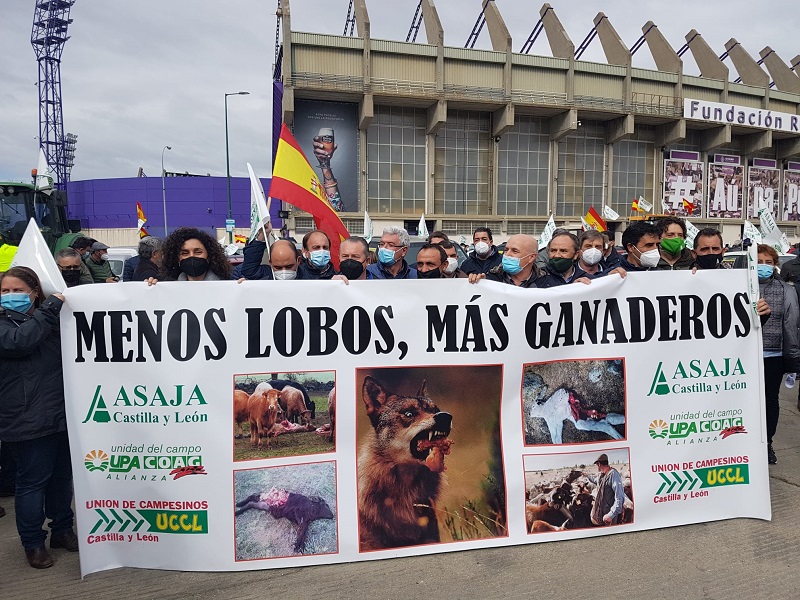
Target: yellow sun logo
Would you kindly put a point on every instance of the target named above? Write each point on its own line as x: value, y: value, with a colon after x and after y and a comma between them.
x: 658, y: 429
x: 96, y: 460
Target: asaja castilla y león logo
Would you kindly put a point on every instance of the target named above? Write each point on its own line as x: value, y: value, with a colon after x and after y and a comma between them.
x: 698, y: 376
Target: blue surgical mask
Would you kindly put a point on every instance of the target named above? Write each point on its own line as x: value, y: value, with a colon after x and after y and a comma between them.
x: 19, y: 302
x: 511, y: 265
x: 765, y: 271
x: 386, y: 257
x: 319, y: 258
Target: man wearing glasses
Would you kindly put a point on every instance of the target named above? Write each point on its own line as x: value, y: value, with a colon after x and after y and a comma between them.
x: 391, y: 256
x: 72, y: 268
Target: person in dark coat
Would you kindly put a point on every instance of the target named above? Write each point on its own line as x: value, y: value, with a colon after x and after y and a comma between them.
x: 485, y: 256
x: 33, y: 422
x: 149, y: 262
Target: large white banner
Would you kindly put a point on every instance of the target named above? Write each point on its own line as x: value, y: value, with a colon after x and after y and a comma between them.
x: 446, y: 416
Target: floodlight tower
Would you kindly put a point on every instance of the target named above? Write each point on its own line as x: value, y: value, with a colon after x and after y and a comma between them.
x: 48, y: 36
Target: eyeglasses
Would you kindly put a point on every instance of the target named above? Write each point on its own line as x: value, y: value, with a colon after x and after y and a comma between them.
x: 71, y: 268
x: 390, y: 245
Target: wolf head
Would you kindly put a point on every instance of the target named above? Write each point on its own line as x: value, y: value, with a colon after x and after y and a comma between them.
x: 408, y: 429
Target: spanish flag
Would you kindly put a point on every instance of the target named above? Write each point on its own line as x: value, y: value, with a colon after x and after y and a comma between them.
x: 688, y: 206
x: 295, y: 182
x: 141, y: 221
x: 595, y: 221
x: 635, y: 205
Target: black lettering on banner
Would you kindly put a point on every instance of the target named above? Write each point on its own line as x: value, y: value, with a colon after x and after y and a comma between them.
x: 719, y: 316
x: 532, y: 327
x: 320, y: 329
x: 691, y: 311
x: 474, y: 323
x: 215, y: 333
x: 613, y: 315
x: 356, y: 315
x: 667, y: 316
x: 150, y: 334
x: 741, y: 305
x: 588, y: 323
x: 91, y: 335
x: 564, y: 326
x: 291, y: 316
x: 442, y: 327
x: 254, y: 349
x: 120, y: 333
x: 384, y: 330
x: 176, y: 333
x: 643, y: 319
x: 496, y: 321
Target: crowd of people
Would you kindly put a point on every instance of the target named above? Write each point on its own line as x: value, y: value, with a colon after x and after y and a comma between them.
x: 34, y: 453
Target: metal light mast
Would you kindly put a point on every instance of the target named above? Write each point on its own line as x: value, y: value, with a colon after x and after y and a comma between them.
x: 48, y: 36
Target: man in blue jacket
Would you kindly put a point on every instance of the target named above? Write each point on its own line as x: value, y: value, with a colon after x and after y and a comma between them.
x: 391, y: 256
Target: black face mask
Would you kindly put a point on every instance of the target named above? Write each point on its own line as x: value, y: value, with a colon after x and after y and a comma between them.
x: 709, y: 261
x: 432, y: 274
x: 194, y: 266
x: 71, y: 277
x: 350, y: 268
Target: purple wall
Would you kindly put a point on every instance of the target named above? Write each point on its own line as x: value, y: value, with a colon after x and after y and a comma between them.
x: 200, y: 202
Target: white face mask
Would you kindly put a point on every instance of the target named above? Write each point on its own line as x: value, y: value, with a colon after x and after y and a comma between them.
x: 284, y: 274
x: 482, y: 248
x: 591, y: 256
x: 650, y: 258
x: 452, y: 265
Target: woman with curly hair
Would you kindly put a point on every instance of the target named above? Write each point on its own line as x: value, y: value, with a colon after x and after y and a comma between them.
x: 189, y: 254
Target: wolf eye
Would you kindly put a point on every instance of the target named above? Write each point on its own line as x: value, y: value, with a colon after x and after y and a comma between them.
x: 409, y: 413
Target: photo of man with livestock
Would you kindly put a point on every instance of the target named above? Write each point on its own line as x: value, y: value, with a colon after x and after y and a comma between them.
x: 577, y: 490
x: 283, y: 414
x: 573, y: 402
x: 430, y: 464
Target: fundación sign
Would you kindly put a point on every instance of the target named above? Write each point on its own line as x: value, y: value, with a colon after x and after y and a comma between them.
x: 731, y: 114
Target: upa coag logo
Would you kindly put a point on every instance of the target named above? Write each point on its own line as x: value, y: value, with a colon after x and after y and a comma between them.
x: 698, y: 377
x: 134, y: 463
x: 698, y: 428
x: 96, y: 460
x: 138, y: 405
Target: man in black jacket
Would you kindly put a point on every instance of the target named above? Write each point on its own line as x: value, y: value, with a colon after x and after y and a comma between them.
x: 485, y: 257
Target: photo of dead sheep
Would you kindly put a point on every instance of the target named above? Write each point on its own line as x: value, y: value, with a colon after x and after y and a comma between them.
x: 573, y: 402
x: 283, y: 414
x: 285, y: 511
x: 577, y: 490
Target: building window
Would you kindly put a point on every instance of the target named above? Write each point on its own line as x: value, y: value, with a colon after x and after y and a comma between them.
x: 523, y: 168
x: 462, y: 175
x: 634, y: 170
x: 396, y: 161
x: 580, y: 171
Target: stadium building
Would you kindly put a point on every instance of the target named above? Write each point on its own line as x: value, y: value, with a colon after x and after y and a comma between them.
x: 505, y: 139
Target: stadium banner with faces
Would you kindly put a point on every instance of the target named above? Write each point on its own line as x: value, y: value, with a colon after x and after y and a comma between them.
x: 224, y: 426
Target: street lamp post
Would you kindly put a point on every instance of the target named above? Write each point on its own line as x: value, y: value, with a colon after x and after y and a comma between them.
x: 228, y: 161
x: 164, y: 190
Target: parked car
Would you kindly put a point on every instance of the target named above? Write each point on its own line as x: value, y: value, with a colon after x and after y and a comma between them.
x: 118, y: 256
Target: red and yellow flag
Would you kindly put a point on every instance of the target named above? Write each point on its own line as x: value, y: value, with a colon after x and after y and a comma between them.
x: 239, y: 239
x: 595, y: 221
x: 294, y: 181
x: 688, y: 206
x: 141, y: 219
x: 635, y: 205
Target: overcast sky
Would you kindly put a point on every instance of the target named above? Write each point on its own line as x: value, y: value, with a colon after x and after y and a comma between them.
x: 137, y: 76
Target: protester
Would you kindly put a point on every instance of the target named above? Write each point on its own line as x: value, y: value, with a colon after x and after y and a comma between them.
x: 130, y: 266
x: 485, y: 257
x: 97, y: 262
x: 451, y: 270
x: 188, y: 254
x: 353, y: 259
x: 590, y: 257
x: 437, y: 237
x: 640, y: 240
x: 392, y: 250
x: 561, y: 265
x: 33, y: 422
x: 780, y: 337
x: 611, y: 258
x: 431, y: 262
x: 708, y: 250
x: 674, y: 254
x: 790, y: 271
x: 316, y: 261
x: 7, y: 253
x: 149, y: 263
x: 610, y: 500
x: 517, y: 264
x: 69, y: 263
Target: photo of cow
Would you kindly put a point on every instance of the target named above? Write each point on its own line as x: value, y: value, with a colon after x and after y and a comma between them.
x: 430, y: 463
x: 573, y: 402
x: 577, y: 490
x: 283, y: 414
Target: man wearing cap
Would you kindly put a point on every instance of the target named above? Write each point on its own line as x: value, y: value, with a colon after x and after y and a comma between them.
x: 97, y: 261
x: 608, y: 504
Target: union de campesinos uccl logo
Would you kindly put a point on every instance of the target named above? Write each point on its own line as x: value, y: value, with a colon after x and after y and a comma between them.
x: 698, y: 376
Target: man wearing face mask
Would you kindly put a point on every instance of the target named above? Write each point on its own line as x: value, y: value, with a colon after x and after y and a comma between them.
x: 451, y: 269
x: 316, y: 262
x: 97, y: 262
x: 431, y: 262
x: 590, y: 257
x: 561, y: 267
x: 674, y: 254
x: 708, y: 249
x: 391, y: 256
x: 69, y: 263
x: 517, y: 266
x: 641, y: 242
x: 611, y: 258
x: 353, y: 260
x: 485, y: 257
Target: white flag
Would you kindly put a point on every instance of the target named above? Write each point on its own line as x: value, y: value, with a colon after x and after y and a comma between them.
x: 367, y: 227
x: 34, y: 254
x: 259, y: 206
x: 422, y: 228
x: 44, y: 175
x: 547, y: 232
x: 770, y: 232
x: 666, y: 206
x: 609, y: 213
x: 585, y: 225
x: 691, y: 233
x: 644, y: 204
x: 750, y: 232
